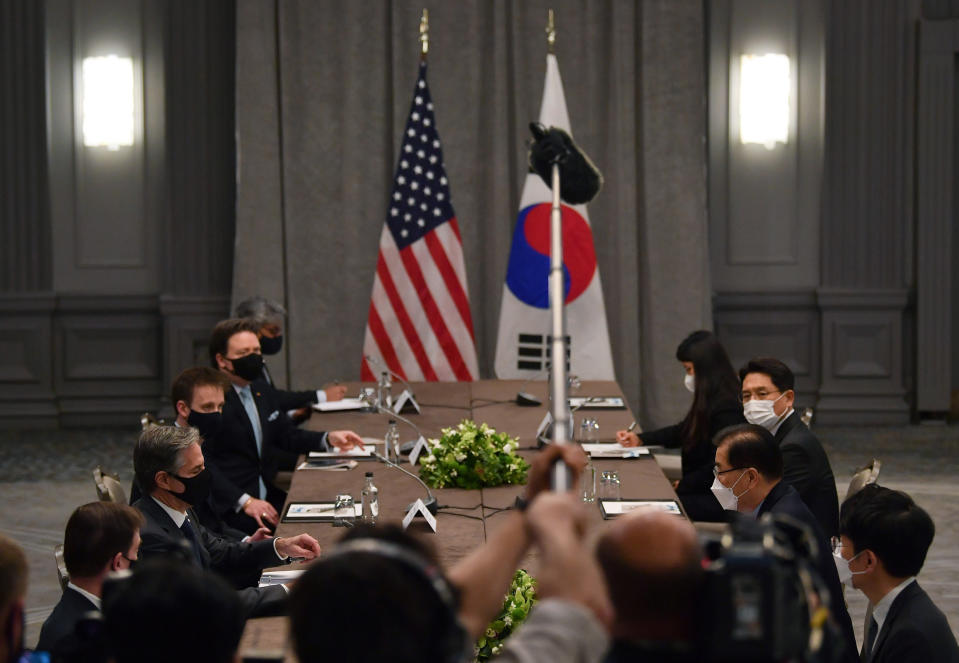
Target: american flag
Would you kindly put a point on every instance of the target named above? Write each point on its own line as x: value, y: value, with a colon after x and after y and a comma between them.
x: 419, y: 323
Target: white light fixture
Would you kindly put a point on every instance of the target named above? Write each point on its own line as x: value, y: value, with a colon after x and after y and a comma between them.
x: 764, y: 99
x: 108, y: 108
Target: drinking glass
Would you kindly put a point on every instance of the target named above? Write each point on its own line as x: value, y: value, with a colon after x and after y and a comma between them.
x: 609, y: 486
x: 344, y: 512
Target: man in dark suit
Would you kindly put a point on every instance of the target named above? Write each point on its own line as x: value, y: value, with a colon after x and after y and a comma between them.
x: 883, y: 539
x: 100, y: 538
x: 652, y: 562
x: 768, y: 395
x: 749, y: 480
x: 256, y: 438
x: 169, y: 467
x: 267, y: 318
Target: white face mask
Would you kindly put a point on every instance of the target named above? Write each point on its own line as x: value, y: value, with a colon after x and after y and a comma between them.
x: 690, y: 382
x: 760, y: 412
x: 727, y: 499
x: 842, y: 566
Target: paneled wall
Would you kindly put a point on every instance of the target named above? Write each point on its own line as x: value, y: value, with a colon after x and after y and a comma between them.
x: 815, y: 258
x: 119, y: 261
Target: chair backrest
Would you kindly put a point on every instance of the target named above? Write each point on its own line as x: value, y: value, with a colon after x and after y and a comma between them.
x: 148, y: 421
x: 864, y: 476
x: 806, y: 417
x: 108, y: 486
x: 62, y: 574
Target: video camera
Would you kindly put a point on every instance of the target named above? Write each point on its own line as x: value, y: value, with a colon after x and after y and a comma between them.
x: 763, y: 598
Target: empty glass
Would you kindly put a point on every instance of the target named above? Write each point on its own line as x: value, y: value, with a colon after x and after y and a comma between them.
x: 609, y: 486
x: 368, y: 396
x: 344, y: 512
x: 588, y: 430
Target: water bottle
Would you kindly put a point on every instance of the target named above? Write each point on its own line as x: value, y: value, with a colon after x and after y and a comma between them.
x: 384, y: 389
x: 392, y: 442
x: 371, y: 503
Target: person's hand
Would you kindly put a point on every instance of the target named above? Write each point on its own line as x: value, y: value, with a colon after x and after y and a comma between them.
x: 568, y: 570
x: 344, y: 440
x: 541, y: 465
x: 301, y: 545
x: 334, y: 391
x: 628, y: 439
x: 261, y: 511
x: 261, y: 534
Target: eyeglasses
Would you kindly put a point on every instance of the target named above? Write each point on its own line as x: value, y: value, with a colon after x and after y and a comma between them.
x: 717, y: 471
x: 759, y: 394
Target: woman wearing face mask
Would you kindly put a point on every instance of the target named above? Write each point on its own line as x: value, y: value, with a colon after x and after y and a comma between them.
x: 715, y: 387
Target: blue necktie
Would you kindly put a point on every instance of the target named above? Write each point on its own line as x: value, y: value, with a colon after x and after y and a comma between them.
x: 246, y: 397
x: 190, y: 534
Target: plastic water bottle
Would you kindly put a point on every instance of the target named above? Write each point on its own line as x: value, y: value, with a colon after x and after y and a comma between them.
x: 392, y: 441
x: 384, y: 389
x: 371, y: 501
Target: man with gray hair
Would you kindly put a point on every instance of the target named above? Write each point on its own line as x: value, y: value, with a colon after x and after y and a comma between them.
x: 169, y: 469
x: 267, y: 317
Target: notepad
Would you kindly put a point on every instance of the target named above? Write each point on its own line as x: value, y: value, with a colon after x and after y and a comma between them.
x: 615, y: 450
x: 340, y: 405
x: 270, y: 578
x: 314, y: 512
x: 614, y: 508
x: 597, y: 403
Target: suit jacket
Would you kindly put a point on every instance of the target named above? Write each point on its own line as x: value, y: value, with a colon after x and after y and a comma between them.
x: 232, y: 452
x: 59, y: 626
x: 699, y: 458
x: 784, y: 500
x: 806, y: 468
x: 288, y: 400
x: 914, y: 631
x: 160, y: 536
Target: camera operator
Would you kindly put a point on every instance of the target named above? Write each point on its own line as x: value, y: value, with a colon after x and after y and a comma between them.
x: 748, y: 480
x: 653, y: 568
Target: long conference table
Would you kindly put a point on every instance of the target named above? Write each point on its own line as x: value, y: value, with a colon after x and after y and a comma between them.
x: 466, y: 517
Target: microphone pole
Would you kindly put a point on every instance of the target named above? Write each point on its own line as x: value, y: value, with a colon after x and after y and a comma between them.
x: 430, y: 500
x: 562, y: 480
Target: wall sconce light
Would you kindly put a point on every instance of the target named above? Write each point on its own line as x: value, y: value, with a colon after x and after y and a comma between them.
x: 764, y: 99
x: 108, y: 102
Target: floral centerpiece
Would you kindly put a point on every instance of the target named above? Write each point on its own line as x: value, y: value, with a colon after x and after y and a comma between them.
x: 516, y: 607
x: 472, y: 456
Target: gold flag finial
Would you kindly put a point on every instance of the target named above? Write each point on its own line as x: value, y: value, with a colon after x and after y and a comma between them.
x: 550, y: 33
x: 425, y: 33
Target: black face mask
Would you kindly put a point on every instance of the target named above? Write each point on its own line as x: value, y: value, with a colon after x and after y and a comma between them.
x: 208, y: 423
x: 270, y: 346
x: 249, y: 368
x: 196, y: 489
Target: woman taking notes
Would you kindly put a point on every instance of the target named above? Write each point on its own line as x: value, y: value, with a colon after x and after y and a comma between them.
x: 715, y: 387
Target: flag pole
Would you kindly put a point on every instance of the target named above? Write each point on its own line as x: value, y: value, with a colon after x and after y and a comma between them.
x: 424, y: 34
x: 562, y: 479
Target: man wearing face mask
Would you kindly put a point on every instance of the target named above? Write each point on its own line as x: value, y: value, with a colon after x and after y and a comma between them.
x: 749, y: 481
x: 257, y: 438
x: 169, y: 467
x: 768, y: 396
x: 883, y: 540
x: 198, y: 394
x: 267, y: 318
x: 100, y: 538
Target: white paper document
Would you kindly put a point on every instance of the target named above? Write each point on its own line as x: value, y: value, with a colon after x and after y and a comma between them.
x: 316, y: 510
x: 337, y: 467
x: 619, y: 507
x: 615, y: 450
x: 340, y: 405
x: 596, y: 402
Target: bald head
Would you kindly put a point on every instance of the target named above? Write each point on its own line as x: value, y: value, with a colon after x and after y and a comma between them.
x: 652, y: 564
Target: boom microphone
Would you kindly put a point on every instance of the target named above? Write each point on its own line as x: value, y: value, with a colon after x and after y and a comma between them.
x: 580, y: 180
x: 396, y: 376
